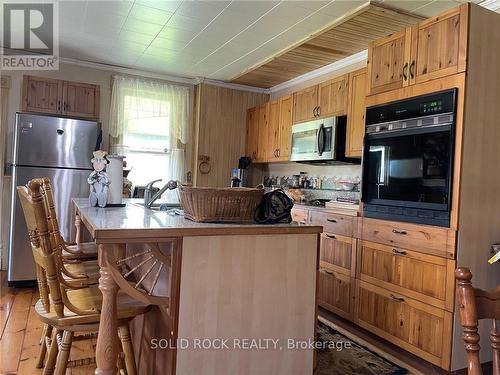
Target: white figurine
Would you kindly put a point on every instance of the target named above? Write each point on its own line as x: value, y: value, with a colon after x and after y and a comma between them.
x: 99, y: 180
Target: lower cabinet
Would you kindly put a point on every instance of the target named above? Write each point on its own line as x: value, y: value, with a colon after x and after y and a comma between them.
x: 336, y: 292
x: 417, y: 327
x: 338, y: 253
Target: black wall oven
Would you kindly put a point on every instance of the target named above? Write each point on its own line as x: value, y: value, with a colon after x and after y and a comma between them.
x: 408, y: 159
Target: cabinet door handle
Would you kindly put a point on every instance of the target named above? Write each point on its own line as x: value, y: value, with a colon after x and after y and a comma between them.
x: 395, y: 298
x: 314, y: 111
x: 399, y: 252
x: 402, y: 232
x: 58, y: 106
x: 328, y: 272
x: 319, y: 111
x: 330, y: 236
x: 412, y: 69
x: 279, y: 152
x: 64, y: 107
x: 331, y: 220
x: 405, y: 71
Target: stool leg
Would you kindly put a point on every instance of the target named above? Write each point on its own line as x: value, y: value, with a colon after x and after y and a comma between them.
x: 63, y: 356
x: 51, y: 359
x: 128, y: 349
x: 46, y: 332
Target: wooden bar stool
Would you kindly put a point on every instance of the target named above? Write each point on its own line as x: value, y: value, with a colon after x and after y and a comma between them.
x: 79, y: 251
x: 476, y: 304
x: 62, y: 306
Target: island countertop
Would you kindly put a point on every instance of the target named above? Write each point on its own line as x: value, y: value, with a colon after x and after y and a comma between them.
x: 134, y: 222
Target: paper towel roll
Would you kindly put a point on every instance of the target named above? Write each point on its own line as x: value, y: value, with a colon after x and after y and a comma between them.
x: 115, y: 173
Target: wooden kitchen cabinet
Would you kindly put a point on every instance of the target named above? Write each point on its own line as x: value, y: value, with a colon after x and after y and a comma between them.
x: 336, y: 292
x: 439, y: 46
x: 323, y: 100
x: 269, y: 131
x: 262, y: 124
x: 285, y: 128
x: 421, y: 329
x: 338, y: 253
x: 81, y: 99
x: 52, y: 96
x: 273, y: 130
x: 427, y: 278
x: 434, y: 48
x: 41, y: 95
x: 388, y: 62
x: 356, y: 114
x: 332, y: 97
x: 305, y: 104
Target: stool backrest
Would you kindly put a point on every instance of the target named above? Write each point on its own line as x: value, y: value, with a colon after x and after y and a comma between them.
x: 44, y: 252
x: 476, y: 304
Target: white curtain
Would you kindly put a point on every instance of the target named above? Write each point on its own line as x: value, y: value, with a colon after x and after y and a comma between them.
x: 155, y: 104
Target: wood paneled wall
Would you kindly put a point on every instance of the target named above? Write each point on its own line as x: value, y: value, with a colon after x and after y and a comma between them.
x: 479, y: 210
x: 220, y: 131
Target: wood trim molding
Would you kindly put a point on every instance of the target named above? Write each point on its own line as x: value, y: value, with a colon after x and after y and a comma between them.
x: 5, y: 82
x: 339, y: 66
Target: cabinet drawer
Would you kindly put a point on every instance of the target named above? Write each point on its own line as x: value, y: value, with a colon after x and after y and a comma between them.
x: 424, y: 238
x: 419, y: 328
x: 336, y: 292
x: 338, y: 253
x: 333, y: 223
x: 427, y: 278
x: 300, y: 215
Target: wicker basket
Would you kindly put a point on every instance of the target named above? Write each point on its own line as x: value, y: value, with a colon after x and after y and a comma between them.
x: 220, y: 204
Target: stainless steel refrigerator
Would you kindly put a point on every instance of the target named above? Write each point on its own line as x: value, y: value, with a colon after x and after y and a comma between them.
x: 60, y: 149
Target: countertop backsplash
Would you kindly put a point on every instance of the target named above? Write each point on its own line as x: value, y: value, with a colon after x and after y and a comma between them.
x: 314, y: 182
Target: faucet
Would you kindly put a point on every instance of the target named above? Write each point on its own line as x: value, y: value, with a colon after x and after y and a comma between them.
x: 148, y: 190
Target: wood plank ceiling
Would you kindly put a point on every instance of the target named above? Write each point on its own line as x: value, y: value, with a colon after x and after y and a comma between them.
x: 344, y: 39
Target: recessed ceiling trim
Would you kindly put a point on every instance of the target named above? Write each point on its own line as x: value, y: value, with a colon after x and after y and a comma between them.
x: 164, y: 77
x: 235, y: 86
x: 357, y: 58
x: 126, y: 70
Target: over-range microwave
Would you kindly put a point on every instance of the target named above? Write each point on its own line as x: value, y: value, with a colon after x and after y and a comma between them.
x: 320, y: 141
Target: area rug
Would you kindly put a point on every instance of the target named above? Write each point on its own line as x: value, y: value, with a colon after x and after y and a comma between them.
x: 338, y: 355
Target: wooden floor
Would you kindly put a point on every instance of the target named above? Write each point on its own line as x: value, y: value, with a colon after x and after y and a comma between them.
x: 20, y: 332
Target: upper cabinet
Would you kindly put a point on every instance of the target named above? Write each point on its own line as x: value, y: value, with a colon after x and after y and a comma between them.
x: 52, y: 96
x: 356, y: 114
x: 332, y: 99
x: 305, y: 104
x: 81, y: 99
x: 432, y: 49
x: 41, y: 95
x: 285, y: 126
x: 326, y: 99
x: 439, y: 46
x: 388, y: 62
x: 269, y: 131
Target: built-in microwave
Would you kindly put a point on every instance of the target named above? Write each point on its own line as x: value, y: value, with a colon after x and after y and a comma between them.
x: 408, y: 159
x: 320, y: 141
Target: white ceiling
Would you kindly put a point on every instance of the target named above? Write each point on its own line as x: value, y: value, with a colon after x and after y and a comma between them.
x: 214, y: 39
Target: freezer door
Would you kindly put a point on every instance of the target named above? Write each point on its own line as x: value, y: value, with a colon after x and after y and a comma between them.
x: 66, y: 184
x: 54, y: 141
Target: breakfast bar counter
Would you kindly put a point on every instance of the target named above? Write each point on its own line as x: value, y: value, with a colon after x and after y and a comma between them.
x: 233, y: 298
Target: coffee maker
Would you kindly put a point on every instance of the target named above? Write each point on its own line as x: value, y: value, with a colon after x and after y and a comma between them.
x: 241, y: 176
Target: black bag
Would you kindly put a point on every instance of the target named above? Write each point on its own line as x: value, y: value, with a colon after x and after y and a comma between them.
x: 275, y: 208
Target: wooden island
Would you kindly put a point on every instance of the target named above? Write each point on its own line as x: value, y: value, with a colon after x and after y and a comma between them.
x: 228, y: 298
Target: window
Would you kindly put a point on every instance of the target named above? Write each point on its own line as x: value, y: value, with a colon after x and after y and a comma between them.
x: 149, y: 124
